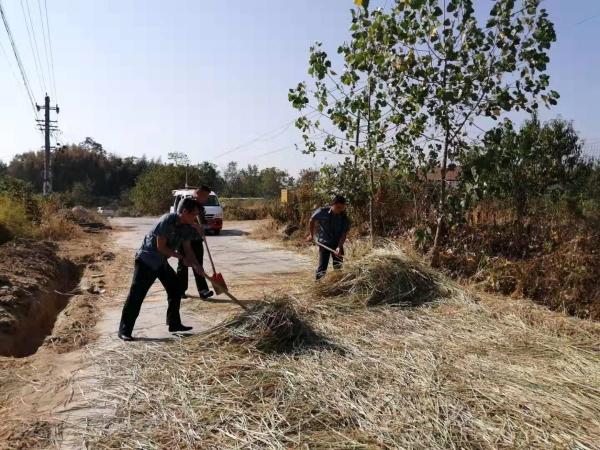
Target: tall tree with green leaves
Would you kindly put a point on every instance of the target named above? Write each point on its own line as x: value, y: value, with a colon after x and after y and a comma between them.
x: 451, y: 76
x: 348, y: 114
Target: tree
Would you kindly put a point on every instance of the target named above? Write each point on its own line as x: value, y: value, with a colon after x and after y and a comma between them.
x: 3, y: 168
x: 525, y: 164
x: 93, y: 146
x: 152, y: 193
x: 232, y: 179
x: 447, y: 72
x: 107, y: 174
x: 82, y: 193
x: 250, y: 181
x: 178, y: 158
x: 355, y: 104
x: 208, y: 174
x: 272, y: 180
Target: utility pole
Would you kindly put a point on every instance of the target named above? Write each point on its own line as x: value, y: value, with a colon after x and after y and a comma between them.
x: 47, y: 126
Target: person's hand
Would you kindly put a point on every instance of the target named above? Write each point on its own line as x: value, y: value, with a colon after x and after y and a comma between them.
x: 338, y: 252
x: 309, y: 238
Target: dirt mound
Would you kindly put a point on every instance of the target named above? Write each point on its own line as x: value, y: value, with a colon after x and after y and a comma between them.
x: 84, y: 217
x: 386, y: 276
x: 33, y: 283
x: 275, y: 326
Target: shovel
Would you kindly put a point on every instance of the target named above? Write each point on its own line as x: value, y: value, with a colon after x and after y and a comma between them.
x: 218, y: 282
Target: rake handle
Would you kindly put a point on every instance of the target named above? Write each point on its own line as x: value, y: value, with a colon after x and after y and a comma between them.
x: 232, y: 297
x: 328, y: 248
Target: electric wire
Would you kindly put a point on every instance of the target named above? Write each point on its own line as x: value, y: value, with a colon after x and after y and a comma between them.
x: 18, y: 58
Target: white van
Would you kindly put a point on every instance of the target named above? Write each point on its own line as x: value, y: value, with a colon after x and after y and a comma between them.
x: 213, y: 209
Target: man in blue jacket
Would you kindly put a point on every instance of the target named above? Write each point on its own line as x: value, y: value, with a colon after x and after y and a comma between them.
x: 333, y: 226
x: 151, y: 262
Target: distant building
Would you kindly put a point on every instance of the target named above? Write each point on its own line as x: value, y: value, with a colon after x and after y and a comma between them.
x: 452, y: 174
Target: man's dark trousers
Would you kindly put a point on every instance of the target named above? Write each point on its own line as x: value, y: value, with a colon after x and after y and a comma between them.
x: 324, y: 261
x: 143, y: 277
x: 182, y: 269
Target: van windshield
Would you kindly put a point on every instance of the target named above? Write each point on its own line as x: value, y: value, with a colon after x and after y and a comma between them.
x: 212, y: 201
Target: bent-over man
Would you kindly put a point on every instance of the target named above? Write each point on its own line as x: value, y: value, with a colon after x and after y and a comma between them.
x: 333, y: 226
x: 197, y: 246
x: 151, y: 262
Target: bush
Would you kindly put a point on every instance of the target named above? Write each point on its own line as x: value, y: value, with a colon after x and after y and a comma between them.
x: 14, y: 219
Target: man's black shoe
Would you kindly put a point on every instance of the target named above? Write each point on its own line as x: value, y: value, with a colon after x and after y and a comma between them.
x: 206, y: 295
x: 125, y: 337
x: 179, y: 328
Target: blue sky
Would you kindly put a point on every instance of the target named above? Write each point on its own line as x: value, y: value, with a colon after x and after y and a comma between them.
x: 202, y: 77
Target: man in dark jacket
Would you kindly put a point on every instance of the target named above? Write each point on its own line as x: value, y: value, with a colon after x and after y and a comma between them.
x: 151, y: 262
x: 333, y: 225
x: 197, y: 247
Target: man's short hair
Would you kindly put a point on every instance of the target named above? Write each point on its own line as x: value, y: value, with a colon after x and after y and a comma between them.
x: 338, y: 200
x: 204, y: 188
x: 189, y: 204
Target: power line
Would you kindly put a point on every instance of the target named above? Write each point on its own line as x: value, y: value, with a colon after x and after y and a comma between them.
x: 18, y: 58
x: 275, y: 151
x: 51, y: 51
x: 587, y: 19
x: 46, y: 51
x: 279, y: 130
x: 34, y: 51
x: 263, y: 137
x: 10, y: 66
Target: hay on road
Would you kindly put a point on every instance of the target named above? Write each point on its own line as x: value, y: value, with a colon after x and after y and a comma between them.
x: 386, y: 276
x: 276, y: 325
x: 497, y: 373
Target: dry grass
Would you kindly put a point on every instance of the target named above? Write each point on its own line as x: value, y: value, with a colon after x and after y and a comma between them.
x: 453, y: 373
x: 275, y: 326
x: 30, y: 435
x: 386, y: 276
x: 57, y: 228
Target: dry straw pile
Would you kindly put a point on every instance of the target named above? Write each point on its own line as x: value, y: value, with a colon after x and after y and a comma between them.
x: 450, y: 372
x: 387, y: 276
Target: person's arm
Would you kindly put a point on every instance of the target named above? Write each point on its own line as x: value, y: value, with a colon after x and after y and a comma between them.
x: 191, y: 259
x: 312, y: 225
x: 340, y: 248
x: 161, y: 246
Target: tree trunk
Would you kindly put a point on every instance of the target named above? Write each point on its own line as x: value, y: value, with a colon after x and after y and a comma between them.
x: 435, y: 251
x: 372, y: 193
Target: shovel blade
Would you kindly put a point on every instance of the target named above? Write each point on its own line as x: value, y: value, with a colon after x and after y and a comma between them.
x: 218, y: 283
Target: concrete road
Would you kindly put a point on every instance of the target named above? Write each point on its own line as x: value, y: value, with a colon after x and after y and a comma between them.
x: 252, y: 269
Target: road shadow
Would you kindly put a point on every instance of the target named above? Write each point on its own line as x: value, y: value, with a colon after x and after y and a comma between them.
x: 174, y: 337
x: 152, y: 339
x: 224, y: 301
x: 232, y: 233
